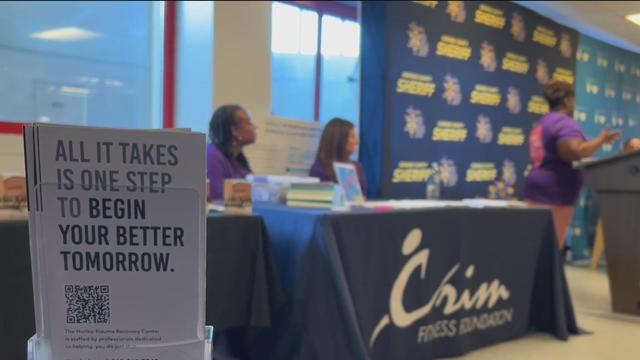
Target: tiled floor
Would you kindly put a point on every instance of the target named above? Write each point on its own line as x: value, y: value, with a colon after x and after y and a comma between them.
x: 614, y: 336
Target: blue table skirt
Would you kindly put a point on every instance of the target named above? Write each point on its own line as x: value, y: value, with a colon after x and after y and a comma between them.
x: 413, y: 284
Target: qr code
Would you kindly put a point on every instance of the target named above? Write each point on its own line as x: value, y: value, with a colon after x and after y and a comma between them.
x: 87, y: 304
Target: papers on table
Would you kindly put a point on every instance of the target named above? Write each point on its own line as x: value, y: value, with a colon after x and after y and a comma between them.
x: 482, y: 203
x: 429, y: 204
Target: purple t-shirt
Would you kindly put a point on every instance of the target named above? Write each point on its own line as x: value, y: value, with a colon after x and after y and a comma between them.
x: 318, y: 170
x: 220, y: 168
x: 553, y: 180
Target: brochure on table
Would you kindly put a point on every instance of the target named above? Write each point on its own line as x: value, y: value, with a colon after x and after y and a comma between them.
x: 117, y: 235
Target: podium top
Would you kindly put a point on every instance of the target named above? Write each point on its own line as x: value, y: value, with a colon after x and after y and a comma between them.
x: 619, y: 173
x: 589, y: 164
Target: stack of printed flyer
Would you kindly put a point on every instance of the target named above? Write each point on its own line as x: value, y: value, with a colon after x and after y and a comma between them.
x: 118, y: 243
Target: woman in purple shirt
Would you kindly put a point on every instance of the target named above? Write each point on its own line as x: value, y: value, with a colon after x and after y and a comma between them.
x: 555, y: 142
x: 230, y: 131
x: 338, y: 142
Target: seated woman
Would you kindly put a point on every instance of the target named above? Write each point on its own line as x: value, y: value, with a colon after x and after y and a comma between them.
x: 230, y: 130
x: 338, y: 142
x: 555, y: 142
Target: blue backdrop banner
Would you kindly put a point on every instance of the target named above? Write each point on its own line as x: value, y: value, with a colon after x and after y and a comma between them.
x: 608, y: 95
x: 461, y: 89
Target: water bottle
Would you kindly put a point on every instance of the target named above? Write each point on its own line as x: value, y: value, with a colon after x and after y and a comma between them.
x: 433, y: 184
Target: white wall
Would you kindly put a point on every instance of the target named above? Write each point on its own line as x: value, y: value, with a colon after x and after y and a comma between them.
x: 242, y: 75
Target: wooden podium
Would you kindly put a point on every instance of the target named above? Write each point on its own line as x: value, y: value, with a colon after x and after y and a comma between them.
x: 617, y: 183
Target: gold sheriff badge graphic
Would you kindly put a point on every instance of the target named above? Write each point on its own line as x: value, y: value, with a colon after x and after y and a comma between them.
x: 488, y: 57
x: 513, y: 100
x: 456, y: 11
x: 448, y: 172
x: 417, y: 40
x: 542, y: 71
x: 414, y: 123
x: 484, y: 131
x: 452, y: 93
x: 565, y: 45
x: 509, y: 173
x: 518, y: 29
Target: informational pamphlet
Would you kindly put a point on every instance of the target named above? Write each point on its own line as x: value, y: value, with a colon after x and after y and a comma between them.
x: 117, y: 235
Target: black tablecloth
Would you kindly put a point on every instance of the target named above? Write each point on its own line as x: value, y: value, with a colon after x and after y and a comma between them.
x: 17, y: 320
x: 243, y: 288
x: 414, y: 284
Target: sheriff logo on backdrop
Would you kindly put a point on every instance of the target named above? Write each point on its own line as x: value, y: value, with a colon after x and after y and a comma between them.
x: 509, y: 173
x: 484, y: 131
x: 448, y: 172
x: 518, y: 29
x: 488, y: 57
x: 542, y: 72
x: 418, y: 42
x: 452, y: 92
x: 414, y: 123
x: 457, y: 11
x: 513, y: 100
x: 565, y: 45
x: 447, y: 299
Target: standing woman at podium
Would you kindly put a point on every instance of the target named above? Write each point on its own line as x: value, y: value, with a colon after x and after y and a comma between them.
x: 555, y: 142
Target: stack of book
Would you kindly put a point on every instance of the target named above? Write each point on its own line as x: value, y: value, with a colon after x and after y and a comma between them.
x: 274, y: 188
x: 320, y: 195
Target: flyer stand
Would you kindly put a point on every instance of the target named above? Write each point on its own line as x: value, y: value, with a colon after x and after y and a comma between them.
x: 118, y: 246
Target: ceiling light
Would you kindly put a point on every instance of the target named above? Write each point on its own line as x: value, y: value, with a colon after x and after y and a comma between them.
x: 634, y: 18
x: 65, y: 34
x: 72, y: 90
